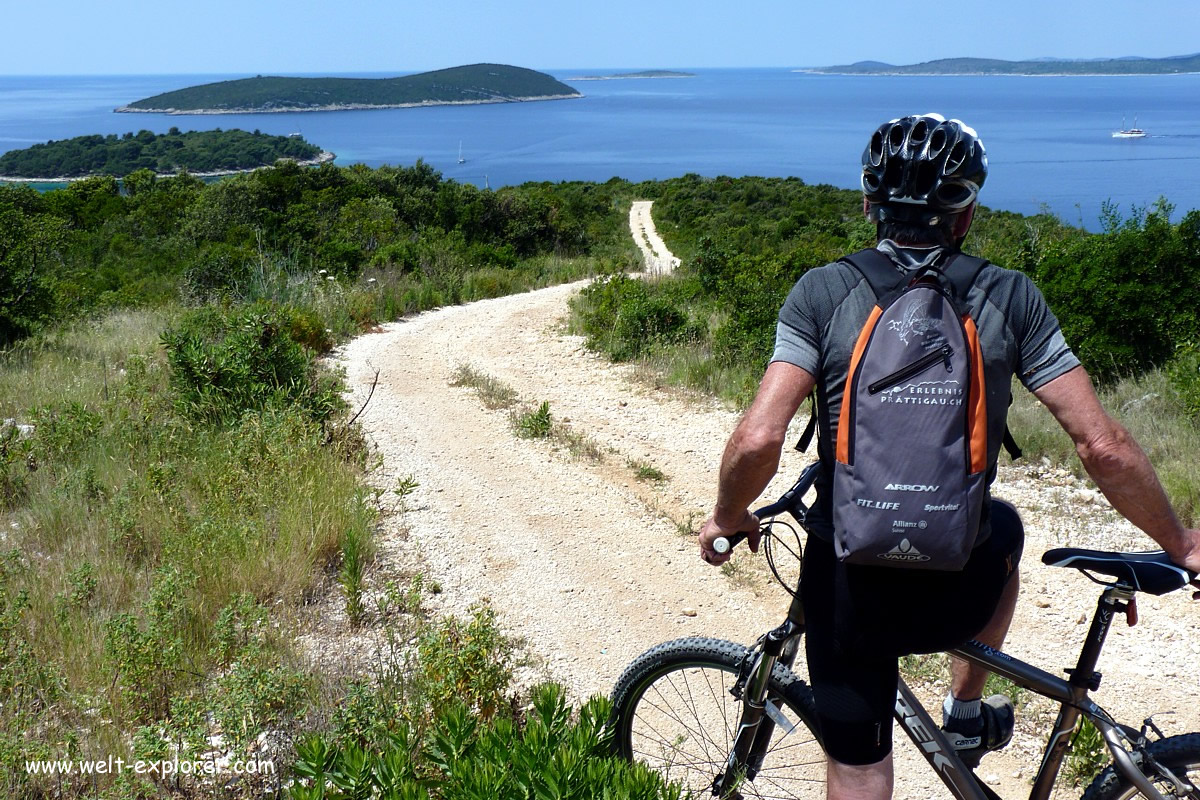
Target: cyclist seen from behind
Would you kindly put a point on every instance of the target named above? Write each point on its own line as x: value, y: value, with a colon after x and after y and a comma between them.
x: 959, y: 328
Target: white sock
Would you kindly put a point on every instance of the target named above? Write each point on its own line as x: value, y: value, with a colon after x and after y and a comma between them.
x: 960, y: 709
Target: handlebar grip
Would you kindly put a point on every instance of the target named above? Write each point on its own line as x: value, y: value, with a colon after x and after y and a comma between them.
x: 723, y: 544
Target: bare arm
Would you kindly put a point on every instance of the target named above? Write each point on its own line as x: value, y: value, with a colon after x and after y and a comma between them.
x: 1118, y: 465
x: 752, y: 455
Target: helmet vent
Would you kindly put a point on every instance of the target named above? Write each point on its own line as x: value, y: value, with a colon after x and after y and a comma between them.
x: 876, y: 149
x: 937, y: 142
x: 893, y: 176
x: 953, y: 195
x: 895, y: 139
x: 918, y: 132
x: 958, y: 154
x: 925, y: 180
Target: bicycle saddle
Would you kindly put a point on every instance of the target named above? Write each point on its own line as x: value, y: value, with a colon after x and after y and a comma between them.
x: 1149, y: 572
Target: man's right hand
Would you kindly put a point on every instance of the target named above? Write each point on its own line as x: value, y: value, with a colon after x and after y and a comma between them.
x: 711, y: 531
x: 1190, y: 559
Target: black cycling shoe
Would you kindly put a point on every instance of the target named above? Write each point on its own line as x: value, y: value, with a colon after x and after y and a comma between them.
x: 991, y: 730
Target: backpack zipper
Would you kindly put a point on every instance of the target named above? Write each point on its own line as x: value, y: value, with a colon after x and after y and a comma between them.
x: 923, y: 363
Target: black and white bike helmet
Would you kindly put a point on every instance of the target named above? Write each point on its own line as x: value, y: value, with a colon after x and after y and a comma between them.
x: 920, y: 167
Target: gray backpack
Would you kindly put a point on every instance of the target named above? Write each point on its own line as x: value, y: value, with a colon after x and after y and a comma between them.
x: 911, y: 460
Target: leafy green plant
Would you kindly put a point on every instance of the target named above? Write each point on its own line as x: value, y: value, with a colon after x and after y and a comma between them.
x: 534, y: 423
x: 468, y: 660
x: 146, y: 653
x: 224, y: 364
x: 647, y: 472
x: 466, y: 756
x: 999, y: 685
x: 1184, y: 372
x: 356, y: 550
x: 1088, y: 754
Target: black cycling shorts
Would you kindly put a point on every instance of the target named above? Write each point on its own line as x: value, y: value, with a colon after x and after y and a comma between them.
x: 861, y: 619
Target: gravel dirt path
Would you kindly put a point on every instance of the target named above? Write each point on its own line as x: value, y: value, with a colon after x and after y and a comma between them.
x: 590, y: 566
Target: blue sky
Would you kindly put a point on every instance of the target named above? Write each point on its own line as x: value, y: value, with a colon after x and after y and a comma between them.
x: 273, y: 36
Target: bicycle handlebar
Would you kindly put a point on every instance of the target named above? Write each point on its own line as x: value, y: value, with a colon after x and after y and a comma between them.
x: 792, y: 502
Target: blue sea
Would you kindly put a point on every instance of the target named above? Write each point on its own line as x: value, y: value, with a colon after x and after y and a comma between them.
x: 1048, y: 138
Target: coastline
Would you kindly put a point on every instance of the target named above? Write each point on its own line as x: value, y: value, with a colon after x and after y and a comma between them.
x: 311, y: 162
x: 174, y: 112
x: 993, y: 74
x: 627, y: 77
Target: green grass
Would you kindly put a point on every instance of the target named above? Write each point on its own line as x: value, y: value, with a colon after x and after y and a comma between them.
x: 926, y: 668
x: 493, y: 392
x: 647, y: 472
x: 528, y: 421
x: 130, y: 532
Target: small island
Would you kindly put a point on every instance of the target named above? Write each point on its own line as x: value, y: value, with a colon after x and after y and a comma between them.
x: 650, y: 73
x: 476, y: 83
x: 1132, y: 65
x: 202, y: 153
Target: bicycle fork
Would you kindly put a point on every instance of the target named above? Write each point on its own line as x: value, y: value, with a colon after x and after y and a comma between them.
x: 759, y: 717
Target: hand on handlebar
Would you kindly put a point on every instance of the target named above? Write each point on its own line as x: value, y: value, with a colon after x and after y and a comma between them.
x: 712, y: 531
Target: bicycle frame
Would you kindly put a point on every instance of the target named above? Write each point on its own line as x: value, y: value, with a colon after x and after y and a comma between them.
x: 781, y: 644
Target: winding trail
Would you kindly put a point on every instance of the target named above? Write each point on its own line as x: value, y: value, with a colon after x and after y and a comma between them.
x: 655, y: 255
x: 590, y: 567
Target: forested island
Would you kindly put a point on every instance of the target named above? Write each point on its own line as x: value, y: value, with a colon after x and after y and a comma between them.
x: 165, y: 154
x: 650, y: 73
x: 476, y: 83
x: 1133, y: 65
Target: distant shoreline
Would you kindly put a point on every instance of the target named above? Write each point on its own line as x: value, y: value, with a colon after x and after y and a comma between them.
x: 174, y: 112
x: 627, y: 77
x: 324, y: 157
x: 993, y: 74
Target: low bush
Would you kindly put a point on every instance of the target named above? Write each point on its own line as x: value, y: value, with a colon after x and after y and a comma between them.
x: 624, y: 317
x: 1184, y: 371
x: 465, y: 756
x: 225, y: 363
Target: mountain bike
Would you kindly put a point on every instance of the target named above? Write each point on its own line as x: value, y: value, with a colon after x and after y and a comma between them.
x: 732, y: 721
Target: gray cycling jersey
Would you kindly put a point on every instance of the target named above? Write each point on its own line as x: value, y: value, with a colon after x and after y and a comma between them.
x: 1018, y: 334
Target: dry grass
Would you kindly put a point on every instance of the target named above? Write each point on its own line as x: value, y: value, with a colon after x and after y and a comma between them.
x: 1152, y: 411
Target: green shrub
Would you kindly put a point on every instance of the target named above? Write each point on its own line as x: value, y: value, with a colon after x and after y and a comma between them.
x: 224, y: 363
x: 469, y: 661
x: 1184, y: 372
x: 464, y: 756
x: 1127, y: 296
x: 307, y: 327
x: 534, y: 423
x: 624, y: 317
x: 1087, y: 756
x: 146, y: 653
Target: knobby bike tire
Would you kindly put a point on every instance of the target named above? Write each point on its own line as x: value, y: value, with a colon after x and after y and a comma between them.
x: 672, y: 710
x: 1180, y: 754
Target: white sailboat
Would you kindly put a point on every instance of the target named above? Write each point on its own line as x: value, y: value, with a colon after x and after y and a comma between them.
x: 461, y: 160
x: 1129, y: 133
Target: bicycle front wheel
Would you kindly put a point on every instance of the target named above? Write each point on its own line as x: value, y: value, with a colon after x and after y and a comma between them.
x: 673, y: 710
x: 1180, y: 754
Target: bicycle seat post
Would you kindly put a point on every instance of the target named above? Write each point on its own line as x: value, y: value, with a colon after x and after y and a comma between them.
x: 1084, y: 677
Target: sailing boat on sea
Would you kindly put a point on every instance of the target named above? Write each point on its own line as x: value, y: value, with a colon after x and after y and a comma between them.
x: 1129, y: 133
x: 461, y: 160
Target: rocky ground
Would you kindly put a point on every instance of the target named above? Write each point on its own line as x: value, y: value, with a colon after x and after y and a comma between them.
x: 591, y: 566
